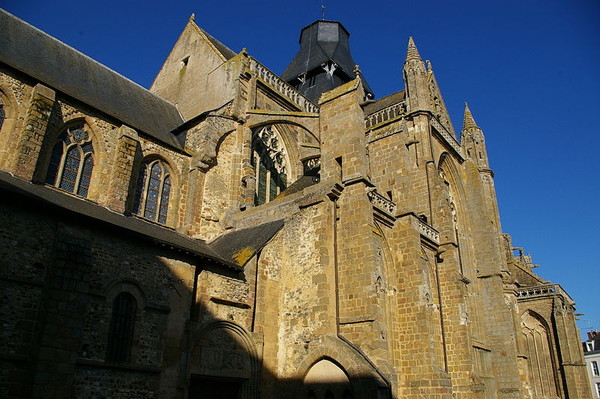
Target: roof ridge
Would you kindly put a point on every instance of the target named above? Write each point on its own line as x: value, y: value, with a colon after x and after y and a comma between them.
x: 84, y: 55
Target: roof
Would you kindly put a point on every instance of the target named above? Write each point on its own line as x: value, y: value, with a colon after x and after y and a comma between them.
x: 320, y: 42
x: 223, y: 49
x: 65, y: 69
x: 225, y: 250
x: 384, y: 102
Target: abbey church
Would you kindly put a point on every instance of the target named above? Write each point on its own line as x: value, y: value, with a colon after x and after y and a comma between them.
x: 232, y: 233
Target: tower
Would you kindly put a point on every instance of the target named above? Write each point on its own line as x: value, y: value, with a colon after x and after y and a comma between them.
x: 323, y: 61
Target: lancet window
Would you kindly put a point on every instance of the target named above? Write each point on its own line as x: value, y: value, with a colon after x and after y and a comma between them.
x: 72, y: 161
x: 269, y: 160
x: 153, y: 191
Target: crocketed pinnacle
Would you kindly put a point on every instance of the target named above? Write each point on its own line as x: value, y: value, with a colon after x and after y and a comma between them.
x: 468, y: 120
x: 412, y: 52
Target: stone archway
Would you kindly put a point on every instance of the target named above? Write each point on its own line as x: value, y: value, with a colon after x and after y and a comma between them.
x: 327, y: 380
x: 223, y: 363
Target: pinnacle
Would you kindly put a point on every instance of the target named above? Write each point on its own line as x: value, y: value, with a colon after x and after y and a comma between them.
x: 468, y: 120
x: 412, y: 52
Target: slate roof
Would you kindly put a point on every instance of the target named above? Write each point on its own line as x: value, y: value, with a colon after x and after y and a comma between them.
x: 225, y: 250
x: 65, y: 69
x: 320, y: 42
x: 223, y: 49
x: 384, y: 102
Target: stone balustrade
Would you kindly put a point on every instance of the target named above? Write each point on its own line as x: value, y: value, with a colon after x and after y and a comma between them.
x: 281, y: 87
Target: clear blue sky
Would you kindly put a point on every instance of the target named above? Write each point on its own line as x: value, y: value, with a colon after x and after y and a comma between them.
x: 529, y: 69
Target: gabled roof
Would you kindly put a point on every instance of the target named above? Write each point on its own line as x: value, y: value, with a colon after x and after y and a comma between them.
x: 232, y: 250
x: 225, y: 51
x: 65, y: 69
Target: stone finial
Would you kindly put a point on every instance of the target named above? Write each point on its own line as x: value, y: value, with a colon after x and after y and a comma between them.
x: 192, y: 17
x: 468, y: 120
x: 412, y: 52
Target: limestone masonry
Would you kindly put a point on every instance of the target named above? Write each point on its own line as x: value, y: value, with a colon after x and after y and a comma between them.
x: 230, y: 233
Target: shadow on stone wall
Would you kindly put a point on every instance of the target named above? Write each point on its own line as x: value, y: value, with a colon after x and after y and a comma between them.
x: 60, y: 277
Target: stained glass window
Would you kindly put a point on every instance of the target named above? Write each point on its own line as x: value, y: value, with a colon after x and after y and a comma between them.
x: 153, y: 191
x: 270, y: 165
x: 71, y: 161
x: 122, y: 323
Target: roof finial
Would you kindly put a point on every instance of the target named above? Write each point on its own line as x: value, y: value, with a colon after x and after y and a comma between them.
x: 192, y: 17
x: 322, y: 12
x: 412, y: 51
x: 468, y: 120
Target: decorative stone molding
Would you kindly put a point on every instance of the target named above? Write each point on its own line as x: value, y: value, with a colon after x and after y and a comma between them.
x: 447, y: 137
x: 274, y: 148
x: 383, y: 208
x: 276, y: 83
x: 429, y: 232
x: 393, y: 112
x: 540, y: 291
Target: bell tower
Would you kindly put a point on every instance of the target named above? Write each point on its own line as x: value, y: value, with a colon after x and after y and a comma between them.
x: 323, y: 61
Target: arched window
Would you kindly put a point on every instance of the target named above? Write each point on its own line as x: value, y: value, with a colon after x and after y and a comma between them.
x: 153, y: 191
x: 269, y: 161
x: 540, y: 364
x: 122, y: 323
x: 72, y: 161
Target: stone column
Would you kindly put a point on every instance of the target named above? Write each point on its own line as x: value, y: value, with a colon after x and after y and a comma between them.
x: 31, y: 138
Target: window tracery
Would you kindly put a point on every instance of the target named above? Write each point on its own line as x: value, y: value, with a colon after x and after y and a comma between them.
x: 72, y: 161
x: 269, y: 160
x: 153, y: 191
x: 536, y: 339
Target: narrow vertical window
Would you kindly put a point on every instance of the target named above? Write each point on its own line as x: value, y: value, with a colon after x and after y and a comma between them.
x: 71, y: 161
x: 153, y: 191
x: 595, y: 370
x: 122, y: 323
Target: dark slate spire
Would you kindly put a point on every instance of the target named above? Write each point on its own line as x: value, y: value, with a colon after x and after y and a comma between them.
x: 323, y: 61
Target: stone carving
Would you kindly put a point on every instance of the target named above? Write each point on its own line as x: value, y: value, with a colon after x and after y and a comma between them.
x: 429, y: 232
x: 394, y: 111
x: 274, y: 148
x: 382, y: 203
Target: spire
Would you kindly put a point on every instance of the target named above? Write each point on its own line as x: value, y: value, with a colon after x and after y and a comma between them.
x: 412, y: 52
x: 468, y: 120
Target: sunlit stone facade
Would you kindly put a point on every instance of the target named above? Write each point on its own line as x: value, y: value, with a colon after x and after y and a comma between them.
x: 221, y: 235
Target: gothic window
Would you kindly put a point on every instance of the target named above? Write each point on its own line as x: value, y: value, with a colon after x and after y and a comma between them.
x: 540, y: 365
x: 122, y: 322
x: 72, y: 161
x: 269, y: 161
x: 153, y: 191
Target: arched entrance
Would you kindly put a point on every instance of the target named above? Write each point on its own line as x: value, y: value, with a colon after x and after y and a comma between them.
x: 223, y: 364
x: 327, y: 380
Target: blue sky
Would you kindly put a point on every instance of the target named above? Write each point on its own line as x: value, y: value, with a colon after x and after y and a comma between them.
x: 529, y: 69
